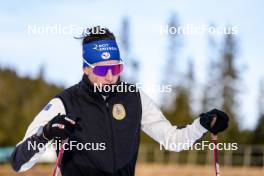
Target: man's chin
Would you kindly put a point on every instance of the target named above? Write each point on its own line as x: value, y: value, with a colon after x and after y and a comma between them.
x: 104, y: 84
x: 108, y: 83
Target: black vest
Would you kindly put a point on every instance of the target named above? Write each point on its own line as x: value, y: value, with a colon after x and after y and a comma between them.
x: 99, y: 125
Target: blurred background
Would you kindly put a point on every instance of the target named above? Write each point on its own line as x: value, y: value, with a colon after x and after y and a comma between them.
x: 208, y: 53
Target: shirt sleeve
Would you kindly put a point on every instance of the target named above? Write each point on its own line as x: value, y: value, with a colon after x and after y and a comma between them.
x: 24, y: 156
x: 155, y: 124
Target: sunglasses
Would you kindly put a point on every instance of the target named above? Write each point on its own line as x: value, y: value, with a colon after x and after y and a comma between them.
x: 101, y: 70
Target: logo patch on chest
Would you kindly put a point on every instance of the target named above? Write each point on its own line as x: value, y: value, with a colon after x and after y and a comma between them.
x: 119, y: 111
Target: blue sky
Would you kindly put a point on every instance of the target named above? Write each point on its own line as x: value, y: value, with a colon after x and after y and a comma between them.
x: 61, y: 54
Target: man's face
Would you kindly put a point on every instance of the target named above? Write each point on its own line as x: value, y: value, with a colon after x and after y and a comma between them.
x: 109, y: 78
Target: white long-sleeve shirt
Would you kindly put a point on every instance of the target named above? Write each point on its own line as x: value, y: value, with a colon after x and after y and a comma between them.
x: 153, y: 123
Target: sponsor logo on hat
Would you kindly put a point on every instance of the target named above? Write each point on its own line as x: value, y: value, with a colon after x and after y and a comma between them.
x: 104, y: 47
x: 105, y: 55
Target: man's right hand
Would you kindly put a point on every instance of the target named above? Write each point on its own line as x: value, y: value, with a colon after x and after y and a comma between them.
x: 60, y: 127
x: 221, y: 123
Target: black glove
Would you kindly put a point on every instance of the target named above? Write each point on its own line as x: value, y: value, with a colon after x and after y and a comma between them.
x: 60, y: 127
x: 221, y: 121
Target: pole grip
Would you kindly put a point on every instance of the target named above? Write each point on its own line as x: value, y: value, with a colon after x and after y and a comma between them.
x: 213, y: 137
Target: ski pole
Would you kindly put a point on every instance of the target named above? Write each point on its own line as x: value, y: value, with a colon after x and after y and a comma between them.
x: 58, y: 162
x: 214, y: 140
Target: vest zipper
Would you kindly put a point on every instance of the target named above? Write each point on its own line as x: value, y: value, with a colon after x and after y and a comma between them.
x: 112, y: 139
